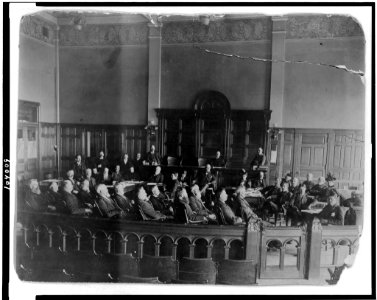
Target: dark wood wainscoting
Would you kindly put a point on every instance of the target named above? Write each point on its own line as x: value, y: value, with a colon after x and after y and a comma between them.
x: 319, y: 151
x: 89, y: 140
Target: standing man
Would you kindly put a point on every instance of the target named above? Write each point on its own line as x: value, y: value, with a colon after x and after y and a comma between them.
x: 153, y: 158
x: 219, y: 161
x: 101, y: 162
x: 79, y: 168
x: 258, y: 160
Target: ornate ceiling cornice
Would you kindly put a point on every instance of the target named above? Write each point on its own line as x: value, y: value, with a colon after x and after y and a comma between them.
x: 322, y: 26
x: 217, y: 31
x: 224, y: 30
x: 96, y: 35
x: 37, y: 28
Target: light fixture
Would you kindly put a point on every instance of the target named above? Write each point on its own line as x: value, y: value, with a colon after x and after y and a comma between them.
x: 151, y: 128
x: 274, y: 132
x: 204, y: 19
x: 78, y: 21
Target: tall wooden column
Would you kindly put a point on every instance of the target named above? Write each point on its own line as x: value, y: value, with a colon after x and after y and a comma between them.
x: 277, y: 70
x: 57, y: 100
x: 154, y: 79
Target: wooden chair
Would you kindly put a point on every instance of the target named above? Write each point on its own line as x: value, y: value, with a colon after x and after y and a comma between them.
x: 220, y: 215
x: 119, y: 265
x: 198, y: 270
x: 172, y: 161
x: 85, y: 266
x: 164, y: 267
x: 237, y: 272
x: 188, y: 221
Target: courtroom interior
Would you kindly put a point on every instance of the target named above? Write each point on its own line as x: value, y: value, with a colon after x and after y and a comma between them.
x: 189, y: 149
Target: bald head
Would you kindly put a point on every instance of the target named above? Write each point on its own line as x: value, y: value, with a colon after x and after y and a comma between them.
x: 67, y: 186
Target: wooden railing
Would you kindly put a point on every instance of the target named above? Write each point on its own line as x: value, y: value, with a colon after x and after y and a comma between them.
x: 101, y: 235
x: 277, y: 252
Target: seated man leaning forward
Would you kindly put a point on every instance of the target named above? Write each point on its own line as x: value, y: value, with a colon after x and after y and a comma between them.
x: 108, y: 206
x: 127, y: 205
x: 35, y: 200
x: 146, y: 206
x: 181, y: 203
x: 331, y: 213
x: 246, y: 211
x: 228, y: 213
x: 197, y: 204
x: 85, y: 195
x: 160, y: 201
x: 73, y: 204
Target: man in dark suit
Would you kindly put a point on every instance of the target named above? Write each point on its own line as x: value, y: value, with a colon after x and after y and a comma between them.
x: 152, y: 157
x: 258, y: 160
x: 73, y: 204
x: 331, y: 213
x: 125, y: 166
x: 71, y: 178
x: 79, y: 168
x: 55, y: 198
x: 157, y: 176
x: 208, y: 185
x: 35, y: 200
x: 127, y: 205
x: 138, y: 165
x: 309, y: 182
x: 108, y: 206
x: 218, y: 161
x: 228, y: 213
x: 92, y: 181
x: 320, y: 190
x: 101, y: 162
x: 160, y: 201
x: 197, y: 205
x: 85, y: 195
x: 260, y: 182
x: 146, y: 206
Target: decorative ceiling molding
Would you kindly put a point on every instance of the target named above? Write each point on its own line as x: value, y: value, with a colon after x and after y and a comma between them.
x: 98, y: 35
x: 217, y: 31
x: 322, y: 26
x: 37, y: 28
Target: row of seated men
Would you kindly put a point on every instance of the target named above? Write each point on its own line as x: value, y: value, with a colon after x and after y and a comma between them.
x: 157, y: 205
x: 249, y: 200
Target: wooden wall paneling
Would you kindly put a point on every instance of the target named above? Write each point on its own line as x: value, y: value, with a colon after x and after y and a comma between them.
x: 310, y: 153
x: 287, y: 153
x: 347, y: 164
x: 48, y: 135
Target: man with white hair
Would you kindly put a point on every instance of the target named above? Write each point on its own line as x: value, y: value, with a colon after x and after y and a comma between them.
x: 71, y: 178
x: 73, y: 204
x: 157, y: 176
x: 55, y: 198
x: 228, y: 213
x: 197, y: 204
x: 123, y: 202
x: 146, y: 206
x: 160, y: 201
x: 85, y: 195
x: 91, y: 180
x: 35, y: 200
x: 246, y: 212
x: 107, y: 206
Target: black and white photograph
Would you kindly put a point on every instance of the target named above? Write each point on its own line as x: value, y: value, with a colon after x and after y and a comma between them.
x: 190, y: 149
